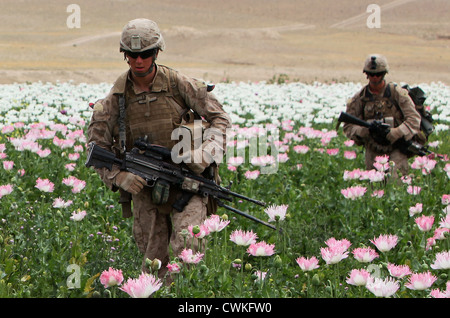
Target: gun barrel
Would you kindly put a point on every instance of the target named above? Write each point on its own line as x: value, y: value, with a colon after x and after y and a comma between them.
x: 347, y: 118
x: 248, y: 216
x: 240, y: 196
x: 99, y: 157
x: 151, y: 167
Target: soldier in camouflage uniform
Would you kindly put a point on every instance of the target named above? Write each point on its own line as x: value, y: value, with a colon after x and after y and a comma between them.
x: 155, y: 101
x: 389, y: 103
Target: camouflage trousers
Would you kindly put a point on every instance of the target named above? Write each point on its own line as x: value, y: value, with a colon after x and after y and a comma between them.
x: 400, y: 160
x: 156, y: 228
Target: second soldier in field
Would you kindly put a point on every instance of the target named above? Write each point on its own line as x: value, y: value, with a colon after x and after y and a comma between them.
x: 386, y: 102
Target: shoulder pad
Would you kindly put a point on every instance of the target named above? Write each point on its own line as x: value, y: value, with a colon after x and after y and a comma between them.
x: 120, y: 84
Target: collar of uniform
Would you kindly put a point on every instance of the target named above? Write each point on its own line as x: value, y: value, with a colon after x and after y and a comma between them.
x: 160, y: 81
x: 369, y: 93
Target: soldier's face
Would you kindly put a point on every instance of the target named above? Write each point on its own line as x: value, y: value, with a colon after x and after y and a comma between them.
x: 375, y: 78
x: 140, y: 65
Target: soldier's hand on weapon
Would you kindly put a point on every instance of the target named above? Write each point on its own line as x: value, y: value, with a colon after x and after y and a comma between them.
x: 129, y: 182
x: 197, y: 161
x: 394, y: 135
x: 379, y: 131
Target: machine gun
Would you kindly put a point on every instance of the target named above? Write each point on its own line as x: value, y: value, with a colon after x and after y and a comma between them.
x: 150, y: 162
x: 409, y: 148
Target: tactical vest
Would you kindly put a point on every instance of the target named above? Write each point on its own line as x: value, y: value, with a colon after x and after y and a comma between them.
x: 153, y: 114
x: 382, y: 108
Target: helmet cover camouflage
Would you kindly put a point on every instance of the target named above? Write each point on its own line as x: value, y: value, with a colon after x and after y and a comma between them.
x: 375, y: 63
x: 141, y: 35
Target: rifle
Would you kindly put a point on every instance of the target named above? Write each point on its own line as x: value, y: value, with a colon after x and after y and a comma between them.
x: 409, y: 148
x: 149, y: 162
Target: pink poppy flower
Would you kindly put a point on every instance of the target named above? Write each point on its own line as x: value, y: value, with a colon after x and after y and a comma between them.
x: 385, y: 243
x: 173, y: 268
x: 70, y: 166
x: 44, y: 153
x: 382, y: 159
x: 336, y: 250
x: 307, y: 264
x: 8, y: 165
x: 60, y: 203
x: 282, y: 157
x: 414, y: 190
x: 415, y: 209
x: 445, y: 221
x: 398, y: 271
x: 198, y: 231
x: 349, y: 143
x: 252, y: 175
x: 276, y: 212
x: 349, y: 155
x: 378, y: 193
x: 436, y: 293
x: 44, y: 185
x: 353, y: 193
x: 215, y: 224
x: 382, y: 288
x: 78, y: 216
x: 142, y: 287
x: 243, y: 238
x: 301, y: 149
x: 424, y: 222
x: 421, y: 281
x: 445, y: 199
x: 236, y: 161
x: 333, y: 152
x: 5, y: 189
x: 342, y: 244
x: 381, y: 167
x: 261, y: 249
x: 440, y: 233
x: 333, y: 255
x: 364, y: 255
x: 188, y: 256
x: 111, y: 277
x: 352, y: 175
x: 358, y: 277
x: 423, y: 163
x: 442, y: 261
x: 78, y: 186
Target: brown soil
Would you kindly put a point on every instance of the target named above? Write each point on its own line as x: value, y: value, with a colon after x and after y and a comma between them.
x: 245, y: 40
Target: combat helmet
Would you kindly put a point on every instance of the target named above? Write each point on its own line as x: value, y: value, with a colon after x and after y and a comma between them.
x: 140, y: 35
x: 376, y: 63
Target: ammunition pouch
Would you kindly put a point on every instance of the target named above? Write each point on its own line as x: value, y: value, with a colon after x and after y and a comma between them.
x: 160, y: 192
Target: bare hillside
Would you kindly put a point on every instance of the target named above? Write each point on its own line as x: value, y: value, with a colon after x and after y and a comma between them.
x: 246, y: 40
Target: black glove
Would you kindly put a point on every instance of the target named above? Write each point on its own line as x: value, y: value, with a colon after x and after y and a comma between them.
x: 378, y: 131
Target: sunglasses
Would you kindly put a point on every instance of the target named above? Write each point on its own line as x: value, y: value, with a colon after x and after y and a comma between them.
x: 379, y: 74
x: 144, y: 55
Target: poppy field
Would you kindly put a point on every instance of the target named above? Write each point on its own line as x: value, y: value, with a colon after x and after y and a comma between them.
x: 340, y: 231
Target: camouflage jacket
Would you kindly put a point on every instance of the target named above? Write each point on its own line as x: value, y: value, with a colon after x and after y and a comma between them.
x: 393, y: 106
x: 171, y: 95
